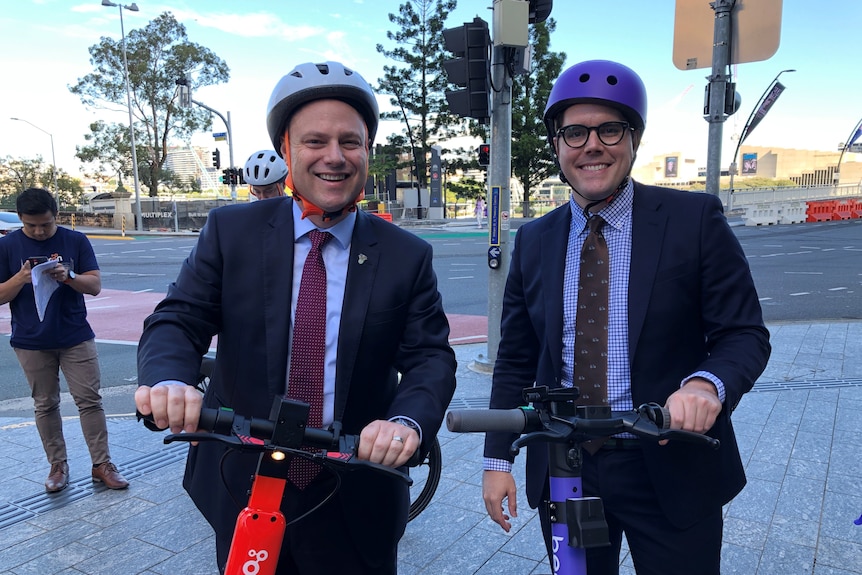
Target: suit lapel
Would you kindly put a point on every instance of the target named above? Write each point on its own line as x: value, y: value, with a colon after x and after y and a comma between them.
x: 277, y: 284
x: 555, y: 240
x: 648, y: 229
x: 362, y: 267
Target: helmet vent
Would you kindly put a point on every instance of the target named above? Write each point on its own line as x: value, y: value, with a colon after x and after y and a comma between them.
x: 612, y: 80
x: 324, y: 69
x: 584, y: 78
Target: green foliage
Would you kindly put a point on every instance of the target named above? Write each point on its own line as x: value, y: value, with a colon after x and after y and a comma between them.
x: 16, y: 175
x: 467, y: 188
x: 157, y: 55
x: 417, y: 83
x: 532, y: 161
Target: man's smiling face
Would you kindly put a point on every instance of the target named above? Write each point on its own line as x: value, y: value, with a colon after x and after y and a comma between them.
x: 328, y: 153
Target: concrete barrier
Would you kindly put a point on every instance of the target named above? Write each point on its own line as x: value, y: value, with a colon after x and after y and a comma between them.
x: 760, y: 215
x: 792, y: 212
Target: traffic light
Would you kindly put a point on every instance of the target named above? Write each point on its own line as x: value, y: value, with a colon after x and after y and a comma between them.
x: 240, y: 176
x: 217, y: 159
x: 470, y: 44
x: 484, y: 152
x: 225, y: 176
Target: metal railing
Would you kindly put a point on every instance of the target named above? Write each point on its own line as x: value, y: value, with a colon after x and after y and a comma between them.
x: 752, y: 196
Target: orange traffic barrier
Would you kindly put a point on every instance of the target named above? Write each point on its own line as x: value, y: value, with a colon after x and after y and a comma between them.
x: 844, y: 210
x: 856, y: 212
x: 821, y: 211
x: 385, y: 216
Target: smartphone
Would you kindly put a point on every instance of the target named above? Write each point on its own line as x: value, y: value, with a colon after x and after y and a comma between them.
x: 36, y: 260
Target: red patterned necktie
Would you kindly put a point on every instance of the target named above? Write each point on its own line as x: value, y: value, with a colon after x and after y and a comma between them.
x: 591, y: 323
x: 305, y: 381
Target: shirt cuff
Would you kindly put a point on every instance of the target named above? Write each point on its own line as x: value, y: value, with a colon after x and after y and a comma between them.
x: 408, y: 422
x: 169, y: 382
x: 719, y: 385
x: 491, y: 464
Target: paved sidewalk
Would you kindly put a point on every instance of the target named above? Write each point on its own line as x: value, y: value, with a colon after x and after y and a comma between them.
x: 800, y: 432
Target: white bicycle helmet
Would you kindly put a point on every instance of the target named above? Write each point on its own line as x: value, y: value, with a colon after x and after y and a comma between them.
x: 264, y: 167
x: 310, y: 81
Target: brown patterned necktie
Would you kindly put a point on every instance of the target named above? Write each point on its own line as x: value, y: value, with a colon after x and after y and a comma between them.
x: 305, y: 381
x: 591, y: 323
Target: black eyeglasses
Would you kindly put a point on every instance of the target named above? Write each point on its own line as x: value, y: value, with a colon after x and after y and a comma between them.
x: 610, y: 133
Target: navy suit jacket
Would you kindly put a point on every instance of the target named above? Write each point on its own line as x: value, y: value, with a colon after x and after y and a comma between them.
x: 692, y: 306
x: 237, y: 283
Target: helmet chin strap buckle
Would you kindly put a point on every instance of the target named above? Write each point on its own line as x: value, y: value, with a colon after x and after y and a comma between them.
x: 309, y: 209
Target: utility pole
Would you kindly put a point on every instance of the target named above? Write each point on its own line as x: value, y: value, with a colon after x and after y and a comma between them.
x: 499, y: 197
x: 716, y: 93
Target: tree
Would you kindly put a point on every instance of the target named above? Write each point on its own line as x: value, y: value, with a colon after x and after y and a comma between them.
x: 416, y: 87
x: 157, y: 55
x: 16, y: 175
x: 532, y: 162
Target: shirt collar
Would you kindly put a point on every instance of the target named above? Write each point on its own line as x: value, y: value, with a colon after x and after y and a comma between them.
x: 614, y: 214
x: 342, y: 231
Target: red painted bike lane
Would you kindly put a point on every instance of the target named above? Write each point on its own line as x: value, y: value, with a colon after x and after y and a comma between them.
x: 118, y: 316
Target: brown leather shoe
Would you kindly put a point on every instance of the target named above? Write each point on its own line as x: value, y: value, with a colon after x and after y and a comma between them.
x: 107, y: 473
x: 58, y: 479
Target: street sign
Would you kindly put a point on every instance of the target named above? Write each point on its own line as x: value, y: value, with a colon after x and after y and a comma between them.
x: 755, y: 25
x: 220, y: 136
x: 494, y: 217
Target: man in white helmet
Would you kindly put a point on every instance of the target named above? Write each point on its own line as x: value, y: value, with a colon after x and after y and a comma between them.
x: 384, y: 317
x: 264, y: 172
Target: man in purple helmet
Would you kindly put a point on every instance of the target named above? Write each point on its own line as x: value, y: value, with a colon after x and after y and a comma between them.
x: 684, y: 329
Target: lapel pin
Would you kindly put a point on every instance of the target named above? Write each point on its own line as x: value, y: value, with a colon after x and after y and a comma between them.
x: 362, y: 258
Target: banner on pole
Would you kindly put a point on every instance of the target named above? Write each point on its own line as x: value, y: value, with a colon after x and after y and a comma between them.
x: 749, y: 164
x: 765, y: 106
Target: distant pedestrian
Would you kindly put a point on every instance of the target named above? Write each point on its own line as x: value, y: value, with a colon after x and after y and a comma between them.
x: 59, y: 336
x: 480, y: 211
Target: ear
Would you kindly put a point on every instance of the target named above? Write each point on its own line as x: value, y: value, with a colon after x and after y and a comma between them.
x: 636, y: 140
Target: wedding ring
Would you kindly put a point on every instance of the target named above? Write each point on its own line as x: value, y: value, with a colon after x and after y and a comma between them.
x: 397, y: 438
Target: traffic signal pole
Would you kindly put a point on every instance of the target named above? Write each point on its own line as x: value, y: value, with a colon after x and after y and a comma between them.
x: 499, y: 199
x: 715, y: 110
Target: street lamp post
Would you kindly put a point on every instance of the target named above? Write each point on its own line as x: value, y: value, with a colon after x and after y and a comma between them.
x: 744, y: 134
x: 53, y: 158
x: 139, y: 220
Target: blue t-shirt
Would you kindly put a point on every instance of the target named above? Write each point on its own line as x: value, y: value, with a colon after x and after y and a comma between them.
x: 65, y: 323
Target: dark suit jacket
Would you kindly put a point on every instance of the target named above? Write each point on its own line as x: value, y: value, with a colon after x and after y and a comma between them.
x: 692, y: 306
x: 237, y: 283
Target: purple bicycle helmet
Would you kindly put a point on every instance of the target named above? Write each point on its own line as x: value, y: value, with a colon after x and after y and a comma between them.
x: 308, y: 82
x: 598, y: 82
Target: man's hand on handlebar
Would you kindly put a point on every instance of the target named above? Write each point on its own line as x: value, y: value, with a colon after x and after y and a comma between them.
x: 694, y: 407
x: 174, y: 406
x: 496, y: 486
x: 379, y: 443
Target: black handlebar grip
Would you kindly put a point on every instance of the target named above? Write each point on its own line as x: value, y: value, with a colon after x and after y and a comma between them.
x: 467, y: 420
x: 658, y: 414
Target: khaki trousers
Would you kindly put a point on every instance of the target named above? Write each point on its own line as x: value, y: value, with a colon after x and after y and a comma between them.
x: 80, y: 365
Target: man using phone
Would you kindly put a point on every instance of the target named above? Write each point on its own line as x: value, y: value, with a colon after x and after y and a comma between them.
x: 62, y: 338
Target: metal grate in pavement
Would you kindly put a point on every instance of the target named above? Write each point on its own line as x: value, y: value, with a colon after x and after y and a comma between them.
x: 762, y: 386
x: 27, y: 507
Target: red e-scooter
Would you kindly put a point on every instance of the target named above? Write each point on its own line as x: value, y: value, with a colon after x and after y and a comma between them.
x: 260, y: 526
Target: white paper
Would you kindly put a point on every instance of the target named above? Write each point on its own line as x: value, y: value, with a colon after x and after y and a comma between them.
x: 44, y: 286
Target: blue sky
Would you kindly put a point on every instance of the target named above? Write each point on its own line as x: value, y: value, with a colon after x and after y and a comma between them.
x: 44, y: 45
